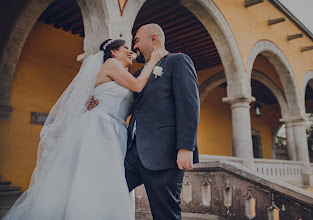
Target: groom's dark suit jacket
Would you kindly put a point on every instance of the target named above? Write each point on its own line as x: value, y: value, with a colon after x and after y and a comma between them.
x: 167, y: 114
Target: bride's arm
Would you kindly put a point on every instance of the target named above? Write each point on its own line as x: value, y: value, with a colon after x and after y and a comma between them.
x: 119, y: 74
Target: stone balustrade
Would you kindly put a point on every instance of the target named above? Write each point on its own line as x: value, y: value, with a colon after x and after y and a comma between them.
x: 283, y: 170
x: 226, y: 190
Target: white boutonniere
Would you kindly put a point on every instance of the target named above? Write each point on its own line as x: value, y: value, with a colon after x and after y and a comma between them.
x: 157, y: 71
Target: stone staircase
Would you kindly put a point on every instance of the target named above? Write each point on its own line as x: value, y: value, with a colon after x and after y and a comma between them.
x: 224, y: 190
x: 8, y: 195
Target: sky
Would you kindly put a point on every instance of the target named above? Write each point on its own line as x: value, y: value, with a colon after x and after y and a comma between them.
x: 302, y: 10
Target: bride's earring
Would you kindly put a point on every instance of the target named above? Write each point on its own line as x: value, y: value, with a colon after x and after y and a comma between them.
x: 115, y: 55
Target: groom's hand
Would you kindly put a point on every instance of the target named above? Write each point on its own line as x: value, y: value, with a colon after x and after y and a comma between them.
x: 185, y: 159
x: 93, y: 103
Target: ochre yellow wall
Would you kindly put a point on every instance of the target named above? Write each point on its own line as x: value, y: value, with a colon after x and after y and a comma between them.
x: 215, y: 128
x: 251, y: 26
x: 46, y: 67
x: 265, y: 125
x: 215, y: 131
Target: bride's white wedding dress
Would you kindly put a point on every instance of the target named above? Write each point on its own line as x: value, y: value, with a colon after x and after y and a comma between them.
x: 86, y: 179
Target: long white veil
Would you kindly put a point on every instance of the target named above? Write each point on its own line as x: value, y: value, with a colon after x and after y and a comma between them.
x: 70, y: 106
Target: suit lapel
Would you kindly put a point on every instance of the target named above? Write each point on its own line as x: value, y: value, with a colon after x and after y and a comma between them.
x: 151, y: 75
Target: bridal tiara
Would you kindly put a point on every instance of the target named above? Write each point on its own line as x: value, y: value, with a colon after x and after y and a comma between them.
x: 107, y: 44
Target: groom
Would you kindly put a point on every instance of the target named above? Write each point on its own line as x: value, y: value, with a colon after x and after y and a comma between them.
x: 162, y: 138
x: 162, y: 132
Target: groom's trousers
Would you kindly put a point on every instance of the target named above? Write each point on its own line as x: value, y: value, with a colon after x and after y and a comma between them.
x: 163, y: 187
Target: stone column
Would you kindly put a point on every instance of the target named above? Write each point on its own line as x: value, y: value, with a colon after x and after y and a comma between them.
x: 102, y: 20
x: 297, y: 146
x: 291, y: 147
x: 302, y: 151
x: 241, y: 128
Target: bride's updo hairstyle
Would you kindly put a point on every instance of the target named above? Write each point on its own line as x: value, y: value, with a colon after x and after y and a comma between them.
x: 114, y: 45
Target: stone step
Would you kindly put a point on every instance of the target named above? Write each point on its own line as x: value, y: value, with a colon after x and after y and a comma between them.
x: 4, y: 184
x: 6, y: 202
x: 10, y: 189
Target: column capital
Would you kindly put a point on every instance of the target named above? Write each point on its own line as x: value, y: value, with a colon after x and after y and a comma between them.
x: 292, y: 121
x: 236, y: 102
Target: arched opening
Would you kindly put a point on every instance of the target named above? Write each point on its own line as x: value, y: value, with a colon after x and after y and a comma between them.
x: 257, y: 144
x: 265, y: 113
x: 309, y: 114
x: 45, y: 66
x: 185, y: 32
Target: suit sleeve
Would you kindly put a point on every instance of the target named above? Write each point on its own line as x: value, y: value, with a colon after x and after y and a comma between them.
x: 186, y: 94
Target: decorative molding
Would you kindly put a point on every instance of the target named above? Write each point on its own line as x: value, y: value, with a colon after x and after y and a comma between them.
x: 122, y: 7
x: 38, y: 118
x: 275, y: 21
x: 249, y: 3
x: 5, y: 112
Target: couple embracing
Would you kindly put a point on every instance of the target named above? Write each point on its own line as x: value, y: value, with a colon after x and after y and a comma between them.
x: 84, y: 156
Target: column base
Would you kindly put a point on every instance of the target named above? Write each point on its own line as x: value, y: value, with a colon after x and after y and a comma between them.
x: 307, y: 180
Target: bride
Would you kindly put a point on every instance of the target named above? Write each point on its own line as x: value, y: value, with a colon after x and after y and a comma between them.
x: 80, y: 164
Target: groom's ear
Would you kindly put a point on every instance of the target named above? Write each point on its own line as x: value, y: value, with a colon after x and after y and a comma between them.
x: 154, y: 39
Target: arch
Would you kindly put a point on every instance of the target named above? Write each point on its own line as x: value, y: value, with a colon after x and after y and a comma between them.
x: 13, y: 48
x: 308, y: 80
x: 274, y: 89
x: 219, y: 78
x: 210, y: 84
x: 280, y: 62
x: 214, y: 22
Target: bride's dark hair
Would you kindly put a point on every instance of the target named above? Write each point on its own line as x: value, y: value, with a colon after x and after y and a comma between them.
x: 111, y: 46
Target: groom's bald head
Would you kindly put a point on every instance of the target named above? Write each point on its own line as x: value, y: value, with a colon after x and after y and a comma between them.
x: 153, y: 29
x: 148, y: 36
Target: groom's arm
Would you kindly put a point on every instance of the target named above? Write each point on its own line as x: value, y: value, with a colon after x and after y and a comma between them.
x: 186, y: 94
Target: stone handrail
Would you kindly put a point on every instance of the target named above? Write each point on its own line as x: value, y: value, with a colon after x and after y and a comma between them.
x: 283, y: 170
x: 226, y: 190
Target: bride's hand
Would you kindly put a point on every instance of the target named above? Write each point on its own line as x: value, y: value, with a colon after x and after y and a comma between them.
x: 93, y: 103
x: 156, y: 55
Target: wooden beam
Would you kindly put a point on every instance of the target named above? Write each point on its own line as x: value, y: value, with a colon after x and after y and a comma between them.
x: 180, y: 25
x: 178, y: 19
x: 152, y: 7
x: 275, y: 21
x: 165, y: 19
x: 249, y: 3
x: 73, y: 24
x: 295, y: 36
x: 186, y: 28
x: 78, y: 29
x: 63, y: 15
x: 161, y: 14
x: 202, y: 42
x: 185, y: 36
x: 62, y: 23
x: 191, y: 29
x: 303, y: 49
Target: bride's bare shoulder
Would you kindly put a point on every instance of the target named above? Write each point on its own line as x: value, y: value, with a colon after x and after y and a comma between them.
x: 111, y: 63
